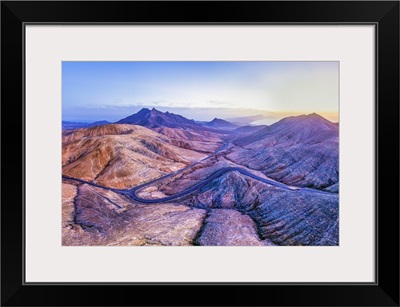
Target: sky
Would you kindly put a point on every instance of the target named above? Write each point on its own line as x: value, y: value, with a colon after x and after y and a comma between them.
x: 93, y: 91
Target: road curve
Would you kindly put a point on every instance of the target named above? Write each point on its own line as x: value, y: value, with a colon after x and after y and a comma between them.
x: 132, y: 192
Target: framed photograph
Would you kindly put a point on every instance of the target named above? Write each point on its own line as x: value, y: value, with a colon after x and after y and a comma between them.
x: 238, y: 148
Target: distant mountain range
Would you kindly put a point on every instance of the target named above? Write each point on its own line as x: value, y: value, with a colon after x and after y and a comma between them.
x: 156, y: 119
x: 66, y: 125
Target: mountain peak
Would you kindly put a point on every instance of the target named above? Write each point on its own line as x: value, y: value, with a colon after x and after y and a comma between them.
x: 314, y: 115
x: 318, y: 119
x: 144, y: 110
x: 302, y: 125
x: 304, y: 118
x: 289, y: 131
x: 154, y: 119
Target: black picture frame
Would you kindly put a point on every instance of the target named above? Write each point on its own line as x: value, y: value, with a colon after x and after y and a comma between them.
x: 383, y: 14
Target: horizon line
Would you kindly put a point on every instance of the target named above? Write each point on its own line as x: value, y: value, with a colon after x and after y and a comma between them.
x: 283, y: 114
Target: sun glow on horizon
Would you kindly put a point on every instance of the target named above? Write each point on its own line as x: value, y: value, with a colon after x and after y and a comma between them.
x: 94, y: 91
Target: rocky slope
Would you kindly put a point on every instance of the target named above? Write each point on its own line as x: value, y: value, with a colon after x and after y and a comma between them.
x: 240, y: 212
x: 202, y: 141
x: 303, y: 217
x: 230, y: 210
x: 121, y: 156
x: 224, y: 227
x: 184, y: 132
x: 99, y: 217
x: 301, y: 151
x: 281, y: 217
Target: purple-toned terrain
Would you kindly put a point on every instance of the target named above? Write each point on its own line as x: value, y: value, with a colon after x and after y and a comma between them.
x: 156, y: 178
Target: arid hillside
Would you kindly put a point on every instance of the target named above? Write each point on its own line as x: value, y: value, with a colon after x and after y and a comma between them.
x: 158, y: 178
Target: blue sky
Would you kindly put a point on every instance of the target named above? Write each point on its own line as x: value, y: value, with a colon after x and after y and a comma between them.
x: 94, y: 91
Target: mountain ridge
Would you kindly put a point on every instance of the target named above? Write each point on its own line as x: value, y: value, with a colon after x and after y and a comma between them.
x: 299, y: 150
x: 155, y: 119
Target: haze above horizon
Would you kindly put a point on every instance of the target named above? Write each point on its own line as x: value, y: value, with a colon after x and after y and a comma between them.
x: 94, y: 91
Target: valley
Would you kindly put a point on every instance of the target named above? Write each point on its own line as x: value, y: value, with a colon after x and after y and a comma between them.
x: 156, y: 178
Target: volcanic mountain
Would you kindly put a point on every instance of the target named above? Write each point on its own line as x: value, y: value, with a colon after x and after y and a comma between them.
x: 300, y: 150
x: 185, y: 132
x: 311, y: 128
x: 156, y: 119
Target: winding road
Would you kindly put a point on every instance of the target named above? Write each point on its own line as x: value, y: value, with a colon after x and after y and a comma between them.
x: 132, y: 191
